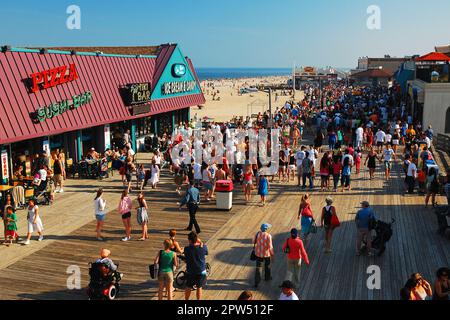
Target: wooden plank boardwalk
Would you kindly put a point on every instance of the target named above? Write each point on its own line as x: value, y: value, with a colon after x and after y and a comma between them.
x: 415, y: 246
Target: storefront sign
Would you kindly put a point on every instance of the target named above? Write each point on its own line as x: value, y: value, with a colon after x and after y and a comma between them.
x: 107, y: 136
x: 53, y: 77
x: 178, y: 87
x: 137, y: 93
x: 141, y: 109
x: 5, y: 170
x: 178, y: 70
x: 55, y: 109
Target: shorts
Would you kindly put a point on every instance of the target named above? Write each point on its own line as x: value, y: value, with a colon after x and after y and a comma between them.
x: 165, y: 277
x: 300, y: 170
x: 387, y: 165
x: 126, y: 215
x: 395, y: 142
x: 12, y: 233
x: 58, y: 178
x: 324, y: 177
x: 291, y: 167
x: 198, y: 280
x: 207, y: 185
x: 128, y: 177
x: 248, y: 182
x: 100, y: 217
x: 380, y: 144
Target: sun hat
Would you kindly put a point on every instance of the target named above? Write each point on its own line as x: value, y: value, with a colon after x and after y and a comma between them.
x: 265, y: 227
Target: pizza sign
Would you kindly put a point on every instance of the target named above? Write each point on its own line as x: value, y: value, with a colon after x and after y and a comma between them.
x: 53, y: 77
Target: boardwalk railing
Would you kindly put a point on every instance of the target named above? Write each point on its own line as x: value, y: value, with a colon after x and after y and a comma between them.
x: 443, y: 142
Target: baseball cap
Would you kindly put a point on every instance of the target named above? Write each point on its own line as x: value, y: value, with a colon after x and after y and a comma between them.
x: 265, y: 227
x: 287, y: 285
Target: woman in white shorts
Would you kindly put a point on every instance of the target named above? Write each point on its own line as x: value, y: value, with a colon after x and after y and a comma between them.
x: 34, y: 221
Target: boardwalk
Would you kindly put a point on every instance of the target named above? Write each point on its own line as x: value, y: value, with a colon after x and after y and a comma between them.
x: 415, y: 246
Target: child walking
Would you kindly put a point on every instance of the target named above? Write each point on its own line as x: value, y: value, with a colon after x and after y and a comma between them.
x: 11, y: 226
x: 263, y: 189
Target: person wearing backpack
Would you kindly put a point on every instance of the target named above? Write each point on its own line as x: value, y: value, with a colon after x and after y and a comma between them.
x: 347, y: 164
x: 329, y: 222
x: 307, y: 165
x: 295, y: 250
x: 432, y: 187
x: 167, y: 262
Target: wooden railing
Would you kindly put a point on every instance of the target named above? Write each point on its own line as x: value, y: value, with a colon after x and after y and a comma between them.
x: 443, y: 142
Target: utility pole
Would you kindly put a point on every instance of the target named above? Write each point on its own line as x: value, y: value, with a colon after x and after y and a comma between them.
x: 270, y: 108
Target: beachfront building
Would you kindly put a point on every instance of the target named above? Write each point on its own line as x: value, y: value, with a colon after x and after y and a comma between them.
x: 429, y: 94
x: 73, y: 99
x: 371, y: 77
x: 388, y: 64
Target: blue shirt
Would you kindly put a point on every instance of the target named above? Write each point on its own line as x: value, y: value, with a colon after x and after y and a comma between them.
x: 363, y: 216
x: 196, y: 259
x: 192, y: 196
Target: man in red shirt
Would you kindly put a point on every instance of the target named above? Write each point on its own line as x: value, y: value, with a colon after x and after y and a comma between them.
x: 296, y: 252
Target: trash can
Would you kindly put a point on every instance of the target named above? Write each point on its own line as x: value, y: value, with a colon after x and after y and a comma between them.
x: 224, y: 195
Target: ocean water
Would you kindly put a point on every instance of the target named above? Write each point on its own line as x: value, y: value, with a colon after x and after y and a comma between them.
x: 235, y: 73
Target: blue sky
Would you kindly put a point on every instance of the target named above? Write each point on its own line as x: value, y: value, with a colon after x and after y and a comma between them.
x: 237, y: 33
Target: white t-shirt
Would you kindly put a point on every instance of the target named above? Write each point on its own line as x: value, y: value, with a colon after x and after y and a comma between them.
x: 428, y: 142
x: 299, y: 156
x: 43, y: 174
x: 293, y: 296
x: 388, y: 154
x: 359, y: 134
x: 412, y: 167
x: 388, y: 138
x: 100, y: 205
x: 380, y: 136
x: 197, y: 171
x: 350, y: 160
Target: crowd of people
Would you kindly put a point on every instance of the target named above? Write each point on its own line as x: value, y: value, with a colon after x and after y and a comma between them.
x: 359, y: 125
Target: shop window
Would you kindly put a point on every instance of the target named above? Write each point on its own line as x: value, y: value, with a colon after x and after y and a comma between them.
x: 447, y: 121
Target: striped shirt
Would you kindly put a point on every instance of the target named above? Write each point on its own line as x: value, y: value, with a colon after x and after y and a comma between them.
x: 263, y: 247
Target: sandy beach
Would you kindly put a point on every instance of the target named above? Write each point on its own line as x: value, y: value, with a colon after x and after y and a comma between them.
x: 231, y: 103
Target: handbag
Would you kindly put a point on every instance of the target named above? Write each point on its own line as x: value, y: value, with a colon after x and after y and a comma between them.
x: 253, y: 256
x: 154, y: 268
x: 287, y: 250
x: 335, y: 223
x: 141, y: 211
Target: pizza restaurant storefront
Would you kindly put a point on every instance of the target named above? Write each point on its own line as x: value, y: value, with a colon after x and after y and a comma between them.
x: 69, y: 102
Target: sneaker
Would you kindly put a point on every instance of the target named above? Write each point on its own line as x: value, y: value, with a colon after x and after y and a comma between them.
x: 26, y: 243
x: 125, y: 239
x: 41, y: 238
x: 100, y: 239
x: 61, y: 191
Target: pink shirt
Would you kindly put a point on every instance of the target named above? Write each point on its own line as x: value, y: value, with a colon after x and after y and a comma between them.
x: 125, y: 205
x: 264, y: 247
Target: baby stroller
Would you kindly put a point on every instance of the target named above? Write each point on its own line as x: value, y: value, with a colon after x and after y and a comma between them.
x: 443, y: 216
x: 384, y: 233
x: 43, y: 192
x: 104, y: 283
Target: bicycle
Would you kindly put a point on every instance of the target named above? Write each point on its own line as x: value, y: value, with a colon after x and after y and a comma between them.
x: 181, y: 278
